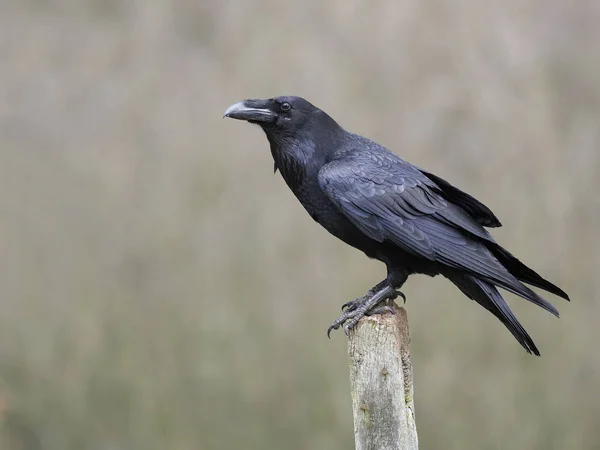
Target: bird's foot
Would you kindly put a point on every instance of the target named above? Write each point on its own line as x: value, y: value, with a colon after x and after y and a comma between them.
x: 353, y: 304
x: 367, y: 305
x: 381, y: 309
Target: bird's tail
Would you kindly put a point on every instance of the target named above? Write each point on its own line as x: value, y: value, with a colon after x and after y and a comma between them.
x: 522, y: 272
x: 488, y: 296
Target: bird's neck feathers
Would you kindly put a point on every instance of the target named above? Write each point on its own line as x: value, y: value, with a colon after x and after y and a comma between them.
x: 295, y: 152
x: 292, y: 156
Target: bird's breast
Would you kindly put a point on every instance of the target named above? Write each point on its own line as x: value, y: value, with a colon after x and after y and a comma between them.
x: 328, y: 215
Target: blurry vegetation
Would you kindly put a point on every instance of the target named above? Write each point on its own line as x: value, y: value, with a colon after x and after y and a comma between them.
x: 160, y: 289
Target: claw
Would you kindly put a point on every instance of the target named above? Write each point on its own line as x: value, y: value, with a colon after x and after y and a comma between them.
x: 348, y: 314
x: 401, y: 294
x: 356, y: 309
x: 351, y: 323
x: 331, y: 328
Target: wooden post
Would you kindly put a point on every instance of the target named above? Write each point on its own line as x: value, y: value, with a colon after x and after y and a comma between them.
x: 381, y: 381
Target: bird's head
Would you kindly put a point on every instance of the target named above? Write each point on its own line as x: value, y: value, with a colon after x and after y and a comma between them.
x: 293, y: 127
x: 280, y: 115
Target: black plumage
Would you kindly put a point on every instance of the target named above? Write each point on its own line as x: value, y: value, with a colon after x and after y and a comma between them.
x: 411, y: 220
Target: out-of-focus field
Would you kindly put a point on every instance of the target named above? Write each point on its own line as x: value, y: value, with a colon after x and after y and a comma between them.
x: 160, y: 289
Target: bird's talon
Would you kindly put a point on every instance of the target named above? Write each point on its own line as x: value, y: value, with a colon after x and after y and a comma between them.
x: 334, y: 326
x: 401, y: 294
x: 353, y: 304
x: 356, y: 309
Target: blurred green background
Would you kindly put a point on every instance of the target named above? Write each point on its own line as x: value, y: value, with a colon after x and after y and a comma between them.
x: 161, y: 289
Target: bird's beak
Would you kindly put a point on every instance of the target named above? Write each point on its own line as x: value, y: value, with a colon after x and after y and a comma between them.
x: 251, y: 110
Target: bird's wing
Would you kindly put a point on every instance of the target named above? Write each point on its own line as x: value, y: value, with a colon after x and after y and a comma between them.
x: 477, y: 210
x: 378, y: 184
x: 390, y: 200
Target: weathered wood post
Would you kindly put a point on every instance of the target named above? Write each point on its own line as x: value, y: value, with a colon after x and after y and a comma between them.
x: 381, y: 381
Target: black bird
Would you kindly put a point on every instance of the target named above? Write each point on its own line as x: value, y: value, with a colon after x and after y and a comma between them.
x: 411, y: 220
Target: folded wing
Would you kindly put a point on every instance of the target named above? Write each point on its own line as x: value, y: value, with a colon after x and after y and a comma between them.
x: 391, y: 200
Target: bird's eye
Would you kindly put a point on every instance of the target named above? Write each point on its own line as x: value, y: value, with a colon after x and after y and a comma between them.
x: 285, y: 106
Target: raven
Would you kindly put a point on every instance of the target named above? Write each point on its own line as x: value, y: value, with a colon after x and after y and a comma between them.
x: 407, y: 218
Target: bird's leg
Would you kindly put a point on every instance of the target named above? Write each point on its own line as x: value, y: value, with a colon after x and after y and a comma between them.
x: 361, y: 307
x: 353, y: 304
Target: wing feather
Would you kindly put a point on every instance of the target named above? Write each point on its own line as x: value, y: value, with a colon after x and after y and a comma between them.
x: 396, y: 203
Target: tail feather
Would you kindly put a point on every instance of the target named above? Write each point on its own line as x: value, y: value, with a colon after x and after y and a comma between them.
x: 523, y: 291
x: 522, y: 272
x: 488, y: 296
